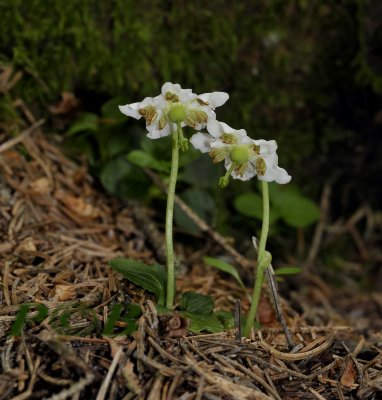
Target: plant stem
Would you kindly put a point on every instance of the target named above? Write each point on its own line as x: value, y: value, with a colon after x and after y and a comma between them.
x: 262, y: 262
x: 169, y: 220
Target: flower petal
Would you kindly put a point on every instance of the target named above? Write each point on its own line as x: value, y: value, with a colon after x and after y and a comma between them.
x: 131, y: 110
x: 215, y: 128
x: 281, y: 175
x: 276, y: 174
x: 156, y: 133
x: 201, y: 141
x: 215, y: 99
x: 267, y: 147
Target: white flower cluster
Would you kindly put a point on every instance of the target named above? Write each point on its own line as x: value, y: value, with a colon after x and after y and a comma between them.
x: 244, y: 158
x: 172, y: 104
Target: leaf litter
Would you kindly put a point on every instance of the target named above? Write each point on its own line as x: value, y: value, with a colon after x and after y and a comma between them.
x: 57, y: 233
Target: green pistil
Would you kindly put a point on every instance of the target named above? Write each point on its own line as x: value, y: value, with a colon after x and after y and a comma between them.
x: 224, y: 180
x: 240, y: 154
x: 177, y: 113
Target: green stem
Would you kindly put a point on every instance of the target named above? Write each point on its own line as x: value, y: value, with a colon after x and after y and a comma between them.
x: 262, y: 262
x: 169, y: 220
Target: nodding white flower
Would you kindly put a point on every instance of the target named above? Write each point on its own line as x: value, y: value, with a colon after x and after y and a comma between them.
x: 175, y: 105
x: 243, y: 157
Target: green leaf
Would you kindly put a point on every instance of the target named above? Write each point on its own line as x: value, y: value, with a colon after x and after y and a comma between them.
x: 202, y: 173
x: 110, y: 109
x: 294, y: 208
x: 229, y: 269
x: 200, y: 323
x: 161, y: 309
x: 149, y: 277
x: 226, y: 318
x: 251, y: 205
x: 124, y: 179
x: 288, y: 271
x: 146, y: 160
x: 86, y: 122
x: 196, y: 303
x: 299, y: 211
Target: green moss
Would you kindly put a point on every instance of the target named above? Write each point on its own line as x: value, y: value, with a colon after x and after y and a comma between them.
x: 278, y: 60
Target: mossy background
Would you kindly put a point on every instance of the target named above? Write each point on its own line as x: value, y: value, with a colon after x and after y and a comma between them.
x: 306, y: 73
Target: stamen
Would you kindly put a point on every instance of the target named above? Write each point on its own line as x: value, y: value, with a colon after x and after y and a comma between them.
x: 149, y: 113
x: 202, y: 102
x: 171, y: 97
x: 218, y: 154
x: 260, y: 166
x: 195, y: 117
x: 228, y: 138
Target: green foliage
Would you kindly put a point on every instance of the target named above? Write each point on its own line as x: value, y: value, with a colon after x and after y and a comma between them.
x: 147, y: 160
x: 199, y: 309
x: 288, y: 270
x: 287, y: 203
x: 228, y: 268
x: 295, y: 209
x: 196, y: 303
x: 226, y: 318
x: 195, y: 306
x: 22, y: 317
x: 251, y: 205
x: 149, y: 277
x: 203, y: 323
x: 128, y: 314
x: 87, y: 122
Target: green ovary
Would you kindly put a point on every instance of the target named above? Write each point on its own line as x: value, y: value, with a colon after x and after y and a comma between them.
x: 240, y: 154
x: 177, y: 113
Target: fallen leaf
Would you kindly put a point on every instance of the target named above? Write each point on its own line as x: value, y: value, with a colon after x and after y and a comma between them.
x: 40, y: 185
x: 77, y: 205
x: 64, y: 292
x: 26, y: 245
x: 349, y: 375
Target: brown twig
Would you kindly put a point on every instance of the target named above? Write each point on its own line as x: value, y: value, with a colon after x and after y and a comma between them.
x: 19, y: 138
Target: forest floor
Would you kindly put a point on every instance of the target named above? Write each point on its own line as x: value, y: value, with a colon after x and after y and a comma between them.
x: 58, y: 231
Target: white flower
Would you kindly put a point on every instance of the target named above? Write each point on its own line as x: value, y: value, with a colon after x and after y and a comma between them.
x: 243, y: 157
x: 175, y: 105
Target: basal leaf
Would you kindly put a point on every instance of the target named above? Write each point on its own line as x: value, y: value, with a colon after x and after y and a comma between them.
x: 149, y: 277
x: 147, y: 160
x: 228, y: 268
x: 86, y: 122
x: 203, y: 323
x: 226, y: 318
x: 294, y: 208
x: 251, y: 205
x: 196, y: 303
x: 288, y: 271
